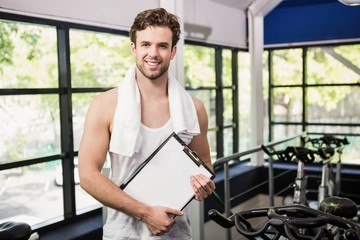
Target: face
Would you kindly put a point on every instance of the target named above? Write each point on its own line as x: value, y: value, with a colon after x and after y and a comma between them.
x: 153, y: 52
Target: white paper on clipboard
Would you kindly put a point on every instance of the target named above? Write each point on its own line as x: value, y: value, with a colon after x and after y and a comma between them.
x: 164, y: 178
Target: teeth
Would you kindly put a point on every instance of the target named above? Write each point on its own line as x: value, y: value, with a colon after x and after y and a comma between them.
x: 153, y: 63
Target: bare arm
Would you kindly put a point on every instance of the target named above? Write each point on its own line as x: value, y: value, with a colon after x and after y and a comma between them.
x: 92, y: 153
x: 202, y: 185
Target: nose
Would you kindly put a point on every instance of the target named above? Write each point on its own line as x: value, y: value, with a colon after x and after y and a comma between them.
x: 153, y: 51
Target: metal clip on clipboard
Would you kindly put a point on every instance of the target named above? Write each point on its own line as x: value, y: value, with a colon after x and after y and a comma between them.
x: 193, y: 156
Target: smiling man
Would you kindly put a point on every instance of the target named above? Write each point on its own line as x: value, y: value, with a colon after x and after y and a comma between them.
x: 131, y: 121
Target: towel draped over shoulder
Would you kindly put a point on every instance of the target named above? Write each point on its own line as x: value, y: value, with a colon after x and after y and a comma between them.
x: 126, y: 138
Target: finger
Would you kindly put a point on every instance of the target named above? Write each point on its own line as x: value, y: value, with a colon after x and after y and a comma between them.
x: 175, y: 212
x: 204, y: 183
x: 200, y: 191
x: 208, y: 181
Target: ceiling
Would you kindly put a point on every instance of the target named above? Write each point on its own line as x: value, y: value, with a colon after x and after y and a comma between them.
x: 312, y: 21
x: 240, y: 4
x: 243, y: 4
x: 297, y: 3
x: 300, y: 21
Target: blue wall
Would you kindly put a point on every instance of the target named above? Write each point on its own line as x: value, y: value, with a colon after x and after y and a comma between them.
x: 329, y: 20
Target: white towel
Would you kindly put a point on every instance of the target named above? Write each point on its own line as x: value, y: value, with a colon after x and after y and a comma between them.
x: 126, y: 138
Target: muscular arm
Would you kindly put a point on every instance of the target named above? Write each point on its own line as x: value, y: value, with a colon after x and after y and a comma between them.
x: 92, y: 153
x: 203, y: 186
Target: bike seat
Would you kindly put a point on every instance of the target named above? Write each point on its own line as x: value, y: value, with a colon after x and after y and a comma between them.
x: 15, y: 231
x: 339, y: 206
x: 326, y: 152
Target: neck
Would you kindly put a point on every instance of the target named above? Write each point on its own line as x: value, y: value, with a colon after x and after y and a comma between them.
x: 152, y: 89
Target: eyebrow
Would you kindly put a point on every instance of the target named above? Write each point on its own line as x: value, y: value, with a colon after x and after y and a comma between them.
x: 160, y: 43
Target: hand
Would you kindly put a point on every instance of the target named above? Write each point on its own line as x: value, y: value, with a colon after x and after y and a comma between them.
x: 159, y: 220
x: 202, y: 186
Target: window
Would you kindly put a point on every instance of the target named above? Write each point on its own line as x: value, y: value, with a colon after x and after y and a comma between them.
x: 203, y: 65
x: 200, y: 81
x: 42, y: 112
x: 30, y: 144
x: 98, y: 61
x: 314, y: 89
x: 244, y: 97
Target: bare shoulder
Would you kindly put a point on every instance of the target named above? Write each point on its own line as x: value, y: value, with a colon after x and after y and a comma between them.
x: 104, y: 104
x: 200, y: 108
x: 109, y: 96
x: 202, y: 114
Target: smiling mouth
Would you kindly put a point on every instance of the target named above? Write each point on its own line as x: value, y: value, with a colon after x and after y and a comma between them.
x: 153, y: 64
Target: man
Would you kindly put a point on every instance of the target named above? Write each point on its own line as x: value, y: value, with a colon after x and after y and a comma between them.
x: 131, y: 121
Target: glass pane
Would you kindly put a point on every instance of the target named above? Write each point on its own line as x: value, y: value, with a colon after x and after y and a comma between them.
x: 30, y: 194
x: 228, y: 142
x: 30, y: 127
x: 98, y: 59
x: 338, y: 104
x: 265, y: 73
x: 350, y: 153
x: 285, y: 131
x: 81, y: 102
x: 212, y: 142
x: 287, y: 67
x: 28, y: 56
x: 328, y: 65
x: 226, y: 70
x: 228, y: 106
x: 333, y: 129
x: 208, y: 99
x: 266, y: 95
x: 199, y: 63
x: 287, y: 104
x: 244, y: 76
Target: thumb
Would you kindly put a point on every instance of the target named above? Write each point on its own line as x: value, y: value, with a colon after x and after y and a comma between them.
x: 175, y: 212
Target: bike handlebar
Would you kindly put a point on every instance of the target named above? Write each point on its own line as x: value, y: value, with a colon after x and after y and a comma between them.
x: 225, y: 222
x: 325, y: 145
x: 328, y: 140
x: 286, y: 221
x: 292, y: 154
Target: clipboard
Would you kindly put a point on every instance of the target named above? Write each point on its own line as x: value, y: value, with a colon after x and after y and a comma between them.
x: 163, y: 179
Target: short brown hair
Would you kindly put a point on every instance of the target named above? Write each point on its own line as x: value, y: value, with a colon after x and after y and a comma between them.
x: 157, y: 17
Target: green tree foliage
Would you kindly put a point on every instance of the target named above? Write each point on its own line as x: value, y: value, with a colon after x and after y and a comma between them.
x: 6, y: 45
x: 199, y: 63
x: 29, y: 59
x: 98, y: 59
x: 325, y: 65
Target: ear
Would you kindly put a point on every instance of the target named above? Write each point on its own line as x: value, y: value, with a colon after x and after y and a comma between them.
x: 133, y: 49
x: 173, y: 53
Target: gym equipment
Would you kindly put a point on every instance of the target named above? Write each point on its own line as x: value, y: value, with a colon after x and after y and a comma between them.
x: 11, y: 230
x: 295, y: 222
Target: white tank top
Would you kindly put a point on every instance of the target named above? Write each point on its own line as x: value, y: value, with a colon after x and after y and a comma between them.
x: 121, y: 226
x: 152, y: 138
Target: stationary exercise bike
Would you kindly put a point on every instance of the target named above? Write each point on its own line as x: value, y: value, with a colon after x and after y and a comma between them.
x: 17, y: 231
x: 300, y: 155
x: 327, y: 146
x: 295, y: 222
x: 324, y: 148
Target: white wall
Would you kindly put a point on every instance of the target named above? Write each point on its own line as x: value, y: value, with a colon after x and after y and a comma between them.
x: 118, y: 14
x: 212, y: 22
x: 204, y: 20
